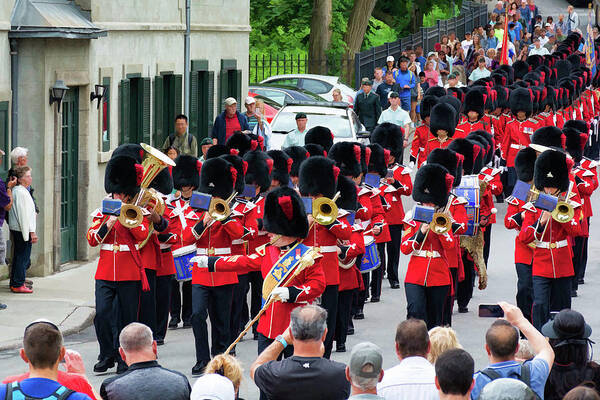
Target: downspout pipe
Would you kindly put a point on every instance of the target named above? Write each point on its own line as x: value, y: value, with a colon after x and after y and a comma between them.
x: 186, y: 68
x: 14, y: 86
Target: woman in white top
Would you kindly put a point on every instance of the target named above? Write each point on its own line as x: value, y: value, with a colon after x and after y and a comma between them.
x: 22, y: 224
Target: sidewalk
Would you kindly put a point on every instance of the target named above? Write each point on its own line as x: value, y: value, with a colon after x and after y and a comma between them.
x: 65, y: 298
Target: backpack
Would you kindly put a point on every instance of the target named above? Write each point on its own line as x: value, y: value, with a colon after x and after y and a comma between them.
x: 524, y: 376
x: 14, y: 392
x: 172, y: 139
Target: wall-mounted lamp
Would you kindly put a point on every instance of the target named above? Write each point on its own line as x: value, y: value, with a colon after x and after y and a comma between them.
x: 57, y: 92
x: 98, y: 93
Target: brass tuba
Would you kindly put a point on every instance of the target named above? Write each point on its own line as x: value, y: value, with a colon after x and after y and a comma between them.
x: 219, y: 209
x: 325, y: 211
x: 131, y: 214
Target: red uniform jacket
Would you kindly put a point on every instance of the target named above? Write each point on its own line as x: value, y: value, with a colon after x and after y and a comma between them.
x: 378, y: 218
x: 587, y: 182
x: 428, y: 266
x: 419, y: 144
x: 166, y: 241
x: 516, y: 136
x: 459, y: 226
x: 494, y: 188
x: 304, y: 288
x: 116, y: 262
x: 400, y: 185
x: 244, y: 212
x: 464, y: 128
x: 514, y: 220
x: 552, y: 256
x: 496, y: 128
x: 181, y: 216
x: 557, y: 119
x: 213, y: 240
x: 261, y: 236
x: 434, y: 143
x: 354, y: 248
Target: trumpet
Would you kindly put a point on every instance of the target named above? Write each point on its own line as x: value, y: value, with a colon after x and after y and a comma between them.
x: 324, y: 210
x: 131, y: 215
x: 219, y: 209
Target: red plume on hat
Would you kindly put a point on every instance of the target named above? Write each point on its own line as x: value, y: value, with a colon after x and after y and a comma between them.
x: 570, y: 163
x: 386, y: 156
x: 367, y: 155
x: 307, y: 154
x: 261, y: 141
x: 583, y: 138
x: 336, y: 172
x: 476, y: 150
x: 459, y: 159
x: 139, y: 174
x: 289, y: 165
x: 356, y: 149
x: 270, y: 165
x: 563, y: 141
x: 449, y: 182
x: 199, y: 166
x: 285, y: 202
x: 234, y: 152
x: 233, y: 173
x: 253, y: 145
x: 245, y: 167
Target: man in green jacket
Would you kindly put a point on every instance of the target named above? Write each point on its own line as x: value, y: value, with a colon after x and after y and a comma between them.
x: 367, y: 105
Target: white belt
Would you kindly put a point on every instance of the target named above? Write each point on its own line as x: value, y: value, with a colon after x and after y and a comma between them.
x: 116, y: 247
x: 185, y: 250
x: 552, y: 245
x: 421, y: 148
x: 426, y: 253
x: 165, y: 246
x: 237, y: 241
x: 517, y: 146
x: 215, y: 251
x: 328, y: 249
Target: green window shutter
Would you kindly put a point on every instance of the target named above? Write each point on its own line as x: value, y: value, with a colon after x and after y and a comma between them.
x: 159, y: 135
x: 223, y: 88
x: 178, y: 82
x: 124, y: 111
x: 210, y: 117
x: 238, y: 86
x: 145, y: 114
x: 194, y: 116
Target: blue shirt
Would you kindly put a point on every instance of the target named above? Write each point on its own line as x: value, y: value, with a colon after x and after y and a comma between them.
x: 511, y: 369
x: 41, y: 388
x: 406, y: 78
x: 422, y: 60
x: 518, y: 29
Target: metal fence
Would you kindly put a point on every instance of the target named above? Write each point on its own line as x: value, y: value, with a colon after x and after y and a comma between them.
x: 263, y: 66
x: 471, y: 16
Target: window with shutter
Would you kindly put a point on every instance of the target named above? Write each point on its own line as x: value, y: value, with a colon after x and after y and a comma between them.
x: 202, y: 99
x: 159, y: 133
x: 4, y: 132
x: 105, y: 117
x: 124, y: 111
x: 194, y: 108
x: 145, y: 111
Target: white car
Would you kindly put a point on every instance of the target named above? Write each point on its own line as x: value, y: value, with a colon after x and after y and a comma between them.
x: 322, y: 85
x: 338, y: 117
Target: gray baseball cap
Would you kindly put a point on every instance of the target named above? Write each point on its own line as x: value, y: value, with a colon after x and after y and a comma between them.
x: 366, y: 360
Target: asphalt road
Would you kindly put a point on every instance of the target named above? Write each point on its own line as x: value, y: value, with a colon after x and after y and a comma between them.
x: 381, y: 318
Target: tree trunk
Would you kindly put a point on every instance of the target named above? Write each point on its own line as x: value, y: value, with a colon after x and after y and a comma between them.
x: 355, y: 33
x: 416, y: 20
x: 320, y: 36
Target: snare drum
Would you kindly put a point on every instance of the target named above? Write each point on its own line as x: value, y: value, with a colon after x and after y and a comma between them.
x: 183, y: 265
x: 469, y: 189
x: 370, y: 259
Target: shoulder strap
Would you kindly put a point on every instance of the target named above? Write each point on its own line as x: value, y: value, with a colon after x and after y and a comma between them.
x: 171, y: 139
x: 189, y: 140
x: 525, y: 374
x: 490, y: 373
x: 61, y: 393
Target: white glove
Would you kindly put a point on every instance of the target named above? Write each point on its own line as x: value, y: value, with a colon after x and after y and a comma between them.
x: 282, y: 292
x: 201, y: 261
x: 411, y: 165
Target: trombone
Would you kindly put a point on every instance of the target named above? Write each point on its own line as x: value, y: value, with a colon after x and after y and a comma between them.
x: 324, y: 210
x: 220, y: 209
x: 441, y: 222
x: 564, y: 211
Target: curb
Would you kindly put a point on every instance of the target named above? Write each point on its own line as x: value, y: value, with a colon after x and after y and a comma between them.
x: 77, y: 320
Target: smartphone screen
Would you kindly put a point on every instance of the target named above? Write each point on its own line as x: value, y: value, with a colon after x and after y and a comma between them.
x: 490, y: 311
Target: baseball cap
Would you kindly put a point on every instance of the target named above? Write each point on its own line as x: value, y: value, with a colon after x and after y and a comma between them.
x: 250, y: 100
x: 300, y: 115
x: 42, y: 321
x: 389, y: 58
x: 452, y: 76
x: 366, y: 81
x: 230, y: 101
x: 393, y: 94
x: 366, y: 360
x: 213, y: 387
x: 205, y: 141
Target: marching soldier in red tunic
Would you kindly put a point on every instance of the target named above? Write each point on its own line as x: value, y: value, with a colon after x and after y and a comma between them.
x: 473, y: 109
x: 120, y: 266
x: 442, y: 126
x: 418, y: 148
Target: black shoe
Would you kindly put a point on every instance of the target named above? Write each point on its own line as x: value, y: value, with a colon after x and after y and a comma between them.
x: 160, y: 342
x: 340, y: 348
x: 573, y: 293
x: 2, y: 306
x: 463, y: 310
x: 580, y: 281
x: 394, y: 285
x: 104, y: 364
x: 174, y: 323
x: 359, y: 315
x: 350, y: 331
x: 187, y: 324
x: 374, y: 299
x: 121, y: 367
x: 199, y: 368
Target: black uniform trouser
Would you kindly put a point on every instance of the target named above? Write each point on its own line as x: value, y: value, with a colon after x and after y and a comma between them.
x: 239, y: 295
x: 213, y: 302
x: 393, y: 253
x: 524, y: 289
x: 147, y: 315
x: 579, y: 244
x: 487, y: 238
x: 549, y: 295
x: 377, y: 274
x: 163, y: 301
x: 464, y: 291
x: 584, y: 254
x: 117, y: 303
x: 426, y: 303
x: 509, y: 178
x: 181, y: 291
x: 449, y: 304
x: 343, y: 315
x: 329, y: 301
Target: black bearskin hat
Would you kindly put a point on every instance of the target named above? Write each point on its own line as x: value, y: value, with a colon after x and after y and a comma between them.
x: 442, y: 117
x: 241, y: 142
x: 548, y: 136
x: 318, y: 176
x: 347, y: 158
x: 284, y: 213
x: 315, y: 150
x: 217, y: 178
x: 524, y: 164
x: 348, y: 196
x: 260, y: 168
x: 319, y: 135
x: 551, y: 170
x: 297, y: 154
x: 450, y: 160
x: 282, y: 165
x: 163, y: 182
x: 577, y: 124
x: 488, y: 142
x: 427, y: 104
x: 186, y: 172
x: 456, y: 105
x: 390, y: 137
x: 474, y: 101
x: 502, y: 95
x: 468, y: 151
x: 521, y: 68
x: 365, y: 157
x: 241, y: 167
x: 575, y: 143
x: 479, y: 152
x: 379, y: 159
x: 436, y: 91
x: 520, y: 100
x: 432, y: 185
x: 123, y: 175
x: 216, y: 150
x: 510, y: 73
x: 133, y: 150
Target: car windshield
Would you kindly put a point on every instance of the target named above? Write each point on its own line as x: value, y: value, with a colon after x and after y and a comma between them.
x: 338, y: 124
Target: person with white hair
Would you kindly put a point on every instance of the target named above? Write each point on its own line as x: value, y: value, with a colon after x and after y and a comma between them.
x: 213, y: 386
x: 144, y: 379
